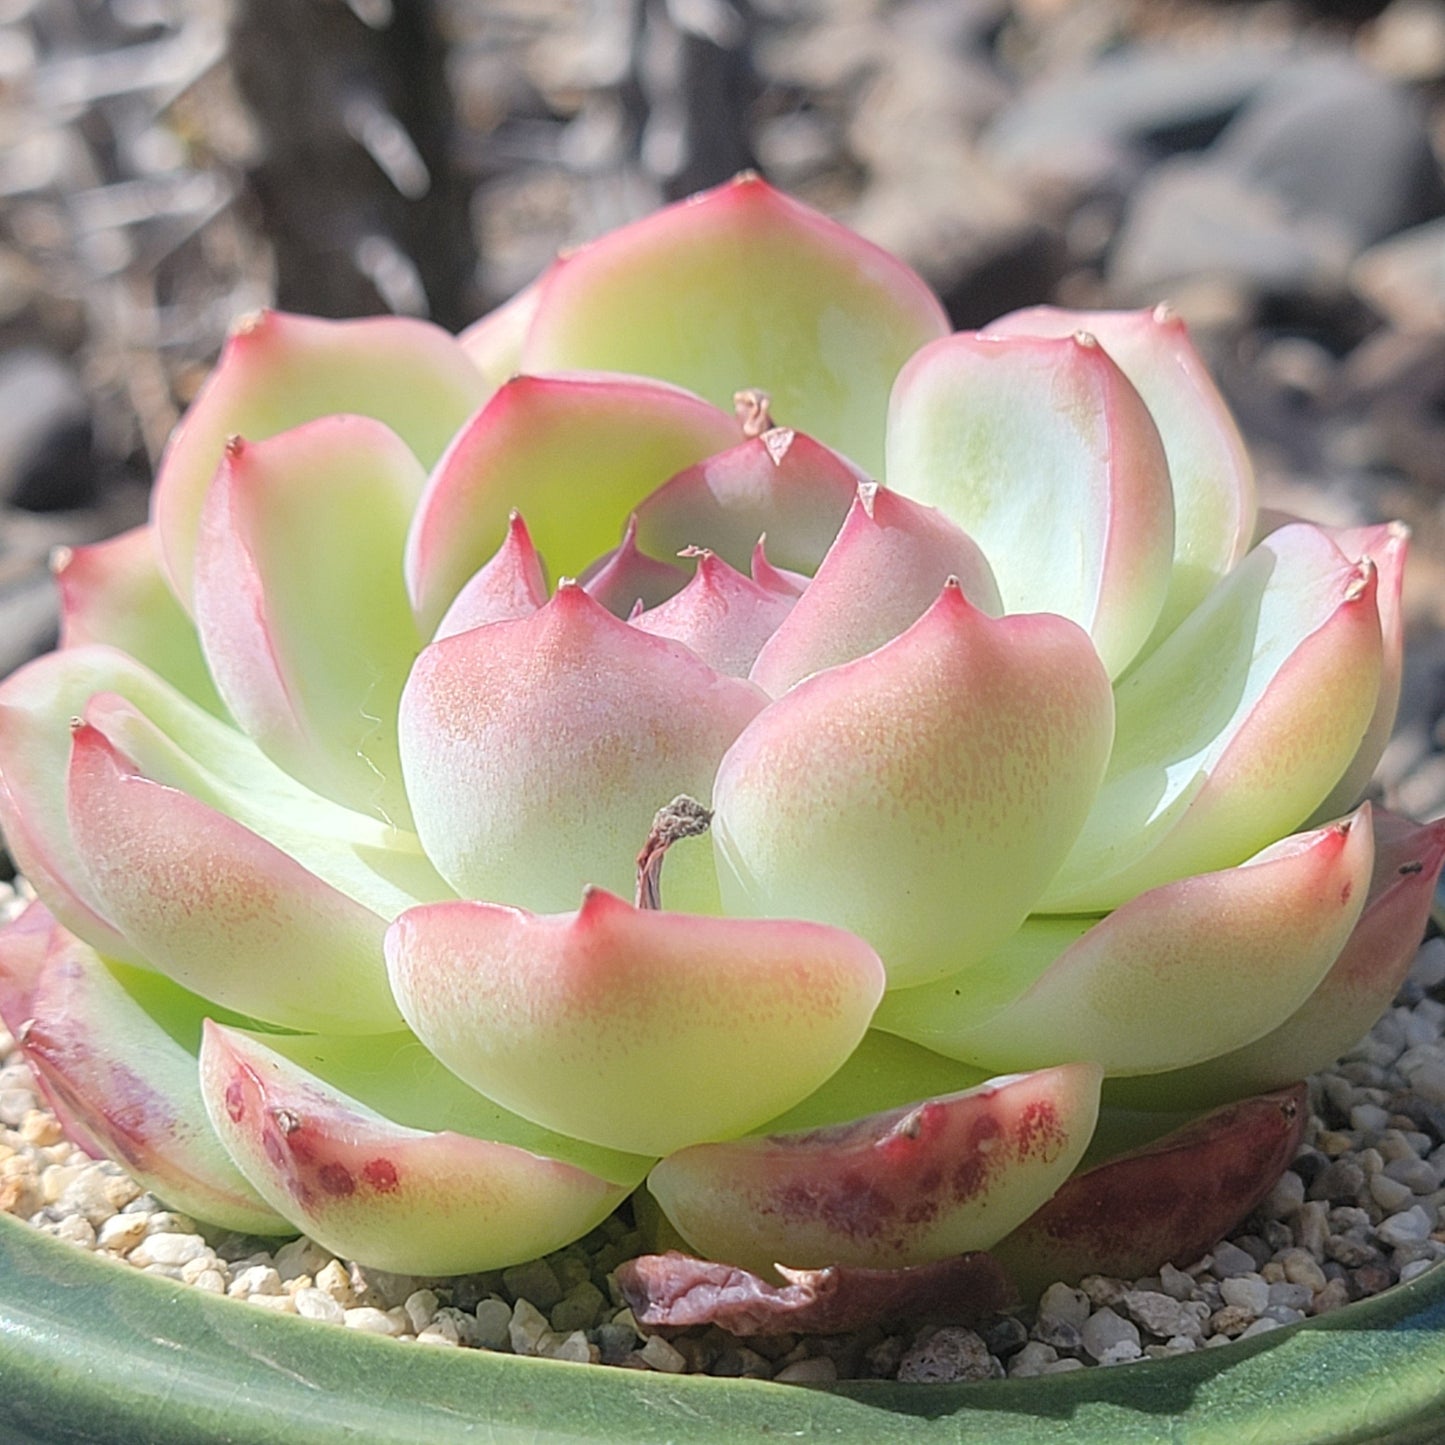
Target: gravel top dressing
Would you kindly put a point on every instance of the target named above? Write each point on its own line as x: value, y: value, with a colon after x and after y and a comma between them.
x: 1359, y: 1211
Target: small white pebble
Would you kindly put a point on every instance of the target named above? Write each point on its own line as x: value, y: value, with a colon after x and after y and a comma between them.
x: 1031, y: 1360
x: 254, y: 1280
x: 334, y: 1279
x: 1415, y: 1269
x: 1261, y: 1326
x: 441, y: 1331
x: 300, y: 1256
x: 370, y: 1320
x: 193, y: 1269
x: 281, y: 1304
x: 316, y: 1304
x: 819, y: 1370
x: 212, y: 1281
x: 528, y: 1325
x: 173, y: 1249
x: 1062, y: 1367
x: 420, y: 1308
x: 165, y: 1221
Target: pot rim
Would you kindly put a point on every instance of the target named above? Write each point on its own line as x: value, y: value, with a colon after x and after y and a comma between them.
x: 92, y: 1349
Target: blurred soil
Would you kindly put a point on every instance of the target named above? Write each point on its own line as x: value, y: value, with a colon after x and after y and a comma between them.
x: 1273, y: 169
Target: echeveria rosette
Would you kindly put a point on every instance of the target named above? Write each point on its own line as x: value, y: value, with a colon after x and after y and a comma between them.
x: 1029, y: 773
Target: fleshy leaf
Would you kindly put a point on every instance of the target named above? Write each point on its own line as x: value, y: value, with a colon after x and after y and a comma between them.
x: 923, y: 795
x: 511, y: 585
x: 1173, y: 1199
x: 113, y: 592
x: 1046, y: 456
x: 574, y: 454
x: 278, y: 371
x: 493, y: 344
x: 537, y: 753
x: 1181, y: 973
x: 742, y: 287
x: 782, y: 482
x: 638, y: 1029
x: 126, y: 1078
x: 378, y: 866
x: 1386, y: 546
x: 1209, y: 467
x: 1236, y: 727
x: 626, y: 578
x: 675, y: 1291
x: 722, y: 615
x: 301, y: 607
x: 218, y: 909
x: 916, y: 1184
x: 884, y: 1072
x: 1351, y: 996
x: 418, y: 1197
x: 885, y: 569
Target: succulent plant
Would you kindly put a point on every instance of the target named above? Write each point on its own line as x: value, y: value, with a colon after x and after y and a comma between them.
x: 924, y: 739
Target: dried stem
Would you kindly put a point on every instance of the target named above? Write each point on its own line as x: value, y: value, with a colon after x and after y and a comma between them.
x: 684, y: 817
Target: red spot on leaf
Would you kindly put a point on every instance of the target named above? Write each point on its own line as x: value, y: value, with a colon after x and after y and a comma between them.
x: 1039, y: 1131
x: 968, y: 1177
x: 380, y: 1174
x: 235, y: 1101
x: 336, y: 1179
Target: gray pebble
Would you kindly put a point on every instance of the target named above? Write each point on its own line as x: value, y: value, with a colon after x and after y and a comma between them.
x: 1417, y: 1175
x: 1061, y: 1302
x: 1161, y: 1314
x: 1104, y: 1330
x: 1286, y: 1295
x: 1410, y: 1226
x: 536, y: 1282
x: 1246, y: 1292
x: 952, y: 1353
x: 1230, y: 1260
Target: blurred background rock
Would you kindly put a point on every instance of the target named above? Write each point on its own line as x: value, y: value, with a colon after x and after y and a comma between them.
x: 1273, y: 169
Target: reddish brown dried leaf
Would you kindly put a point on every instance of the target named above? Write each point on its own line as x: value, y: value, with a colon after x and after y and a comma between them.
x: 675, y: 1290
x: 1172, y: 1199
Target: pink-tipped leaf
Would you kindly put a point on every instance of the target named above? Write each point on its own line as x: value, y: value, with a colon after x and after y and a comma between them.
x: 377, y: 1154
x: 538, y: 752
x: 1181, y: 973
x: 113, y: 592
x: 884, y: 570
x: 915, y: 1184
x: 217, y: 908
x: 1209, y: 469
x: 278, y: 371
x: 574, y: 454
x: 781, y: 482
x: 1234, y: 730
x: 635, y: 1028
x: 725, y: 617
x: 300, y: 603
x: 742, y: 287
x: 923, y: 795
x: 115, y: 1052
x: 1046, y: 456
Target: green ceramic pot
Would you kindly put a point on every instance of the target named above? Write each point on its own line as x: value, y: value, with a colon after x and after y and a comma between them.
x: 93, y: 1351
